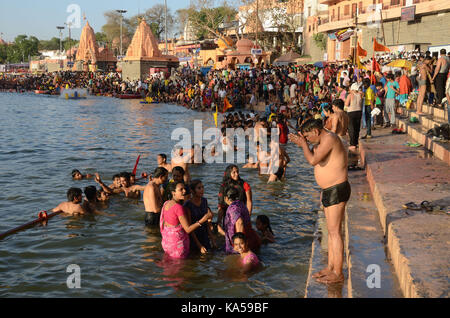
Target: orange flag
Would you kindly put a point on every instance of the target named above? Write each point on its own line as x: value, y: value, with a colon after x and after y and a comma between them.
x: 360, y: 51
x: 377, y: 47
x: 226, y: 105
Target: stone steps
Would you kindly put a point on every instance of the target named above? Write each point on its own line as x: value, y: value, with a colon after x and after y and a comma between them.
x: 434, y: 117
x: 416, y: 241
x: 441, y: 150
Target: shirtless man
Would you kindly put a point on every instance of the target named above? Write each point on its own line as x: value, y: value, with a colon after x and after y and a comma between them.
x: 77, y: 175
x: 153, y: 198
x: 329, y: 160
x: 162, y: 162
x: 182, y: 161
x: 339, y: 119
x: 72, y: 206
x: 131, y: 191
x: 424, y: 69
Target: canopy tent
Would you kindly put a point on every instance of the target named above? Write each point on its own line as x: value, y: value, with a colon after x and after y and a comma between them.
x: 287, y: 58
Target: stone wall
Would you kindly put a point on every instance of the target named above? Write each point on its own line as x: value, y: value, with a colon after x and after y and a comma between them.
x: 431, y: 30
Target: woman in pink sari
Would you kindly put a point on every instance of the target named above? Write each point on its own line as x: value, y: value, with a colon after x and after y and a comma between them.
x: 175, y: 223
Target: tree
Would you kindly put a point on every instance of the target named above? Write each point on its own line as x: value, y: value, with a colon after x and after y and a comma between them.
x: 50, y: 45
x: 206, y: 19
x: 112, y: 27
x: 155, y: 18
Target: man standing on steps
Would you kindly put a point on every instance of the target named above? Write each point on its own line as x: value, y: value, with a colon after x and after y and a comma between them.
x: 440, y: 76
x: 329, y: 159
x: 369, y: 104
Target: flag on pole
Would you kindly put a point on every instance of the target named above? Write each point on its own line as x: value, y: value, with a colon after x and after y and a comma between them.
x: 360, y: 51
x: 226, y: 105
x: 215, y: 116
x: 359, y: 65
x: 377, y: 47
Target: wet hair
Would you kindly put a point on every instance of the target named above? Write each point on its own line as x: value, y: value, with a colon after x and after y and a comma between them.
x: 72, y: 193
x: 172, y: 187
x: 99, y: 193
x: 179, y: 169
x: 75, y: 171
x: 194, y: 184
x: 125, y: 175
x: 239, y: 235
x: 339, y: 103
x: 232, y: 193
x: 116, y: 176
x: 311, y: 124
x: 163, y: 156
x: 327, y: 108
x: 91, y: 193
x: 159, y: 172
x: 264, y: 219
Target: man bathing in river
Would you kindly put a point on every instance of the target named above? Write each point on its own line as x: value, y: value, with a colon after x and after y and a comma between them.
x: 329, y: 159
x: 73, y: 205
x: 77, y: 175
x: 131, y: 191
x: 162, y: 162
x: 153, y: 200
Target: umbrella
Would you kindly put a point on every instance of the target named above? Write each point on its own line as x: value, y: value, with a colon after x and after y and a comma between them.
x: 320, y: 64
x: 401, y: 63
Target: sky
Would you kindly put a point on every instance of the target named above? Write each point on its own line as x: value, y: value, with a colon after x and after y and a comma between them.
x: 40, y: 18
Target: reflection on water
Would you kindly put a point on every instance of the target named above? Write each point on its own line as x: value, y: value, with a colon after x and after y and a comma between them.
x: 43, y: 139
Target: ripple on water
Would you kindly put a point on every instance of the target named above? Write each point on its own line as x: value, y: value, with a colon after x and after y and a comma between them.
x: 118, y: 256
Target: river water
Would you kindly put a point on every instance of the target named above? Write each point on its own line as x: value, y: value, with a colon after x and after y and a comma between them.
x: 42, y: 139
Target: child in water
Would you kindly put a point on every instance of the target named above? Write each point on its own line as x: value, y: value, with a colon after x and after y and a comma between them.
x: 248, y: 260
x: 263, y: 226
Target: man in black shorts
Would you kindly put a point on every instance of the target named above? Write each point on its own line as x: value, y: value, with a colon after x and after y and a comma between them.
x: 329, y: 159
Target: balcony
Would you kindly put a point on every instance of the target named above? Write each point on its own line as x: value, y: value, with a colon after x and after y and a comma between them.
x: 329, y: 2
x: 389, y: 13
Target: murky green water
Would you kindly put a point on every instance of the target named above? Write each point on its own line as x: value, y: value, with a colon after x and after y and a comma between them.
x: 43, y: 138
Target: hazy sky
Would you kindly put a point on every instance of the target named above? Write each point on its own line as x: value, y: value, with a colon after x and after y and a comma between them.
x: 40, y: 17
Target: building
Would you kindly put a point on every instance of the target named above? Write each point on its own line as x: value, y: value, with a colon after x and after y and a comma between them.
x: 314, y: 12
x: 144, y: 57
x: 273, y: 24
x: 401, y: 25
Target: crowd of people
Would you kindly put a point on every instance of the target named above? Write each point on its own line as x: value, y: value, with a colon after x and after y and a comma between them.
x: 324, y: 106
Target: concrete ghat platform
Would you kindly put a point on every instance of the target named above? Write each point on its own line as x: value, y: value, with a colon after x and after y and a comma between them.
x: 417, y: 241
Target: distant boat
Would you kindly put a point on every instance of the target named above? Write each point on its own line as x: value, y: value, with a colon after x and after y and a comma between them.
x: 76, y: 93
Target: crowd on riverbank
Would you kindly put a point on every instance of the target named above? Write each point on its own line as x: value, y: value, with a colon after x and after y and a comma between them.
x: 337, y: 97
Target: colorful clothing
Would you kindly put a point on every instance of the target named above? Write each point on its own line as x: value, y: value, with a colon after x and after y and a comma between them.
x: 238, y: 210
x: 197, y: 212
x: 175, y: 240
x: 250, y: 258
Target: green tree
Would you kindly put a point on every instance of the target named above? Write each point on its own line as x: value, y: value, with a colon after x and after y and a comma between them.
x: 205, y: 19
x: 155, y: 18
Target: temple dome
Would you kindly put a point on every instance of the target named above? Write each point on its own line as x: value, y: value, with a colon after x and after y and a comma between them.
x: 244, y: 46
x: 144, y: 44
x: 88, y: 47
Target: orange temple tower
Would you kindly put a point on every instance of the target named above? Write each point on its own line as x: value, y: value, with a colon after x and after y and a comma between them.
x: 144, y: 57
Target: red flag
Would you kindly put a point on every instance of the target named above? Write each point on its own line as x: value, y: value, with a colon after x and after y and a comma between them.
x: 377, y: 47
x: 360, y: 51
x: 375, y: 66
x: 226, y: 105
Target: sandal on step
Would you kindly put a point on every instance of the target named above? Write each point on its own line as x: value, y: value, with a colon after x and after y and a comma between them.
x: 411, y: 206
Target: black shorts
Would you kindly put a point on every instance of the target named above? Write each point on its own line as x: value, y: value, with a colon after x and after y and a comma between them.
x: 152, y: 219
x: 336, y: 194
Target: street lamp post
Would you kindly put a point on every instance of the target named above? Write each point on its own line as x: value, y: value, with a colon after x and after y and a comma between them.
x: 60, y: 28
x: 121, y: 23
x: 165, y: 27
x: 69, y: 25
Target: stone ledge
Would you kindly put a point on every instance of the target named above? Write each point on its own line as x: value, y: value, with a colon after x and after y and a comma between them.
x: 416, y: 241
